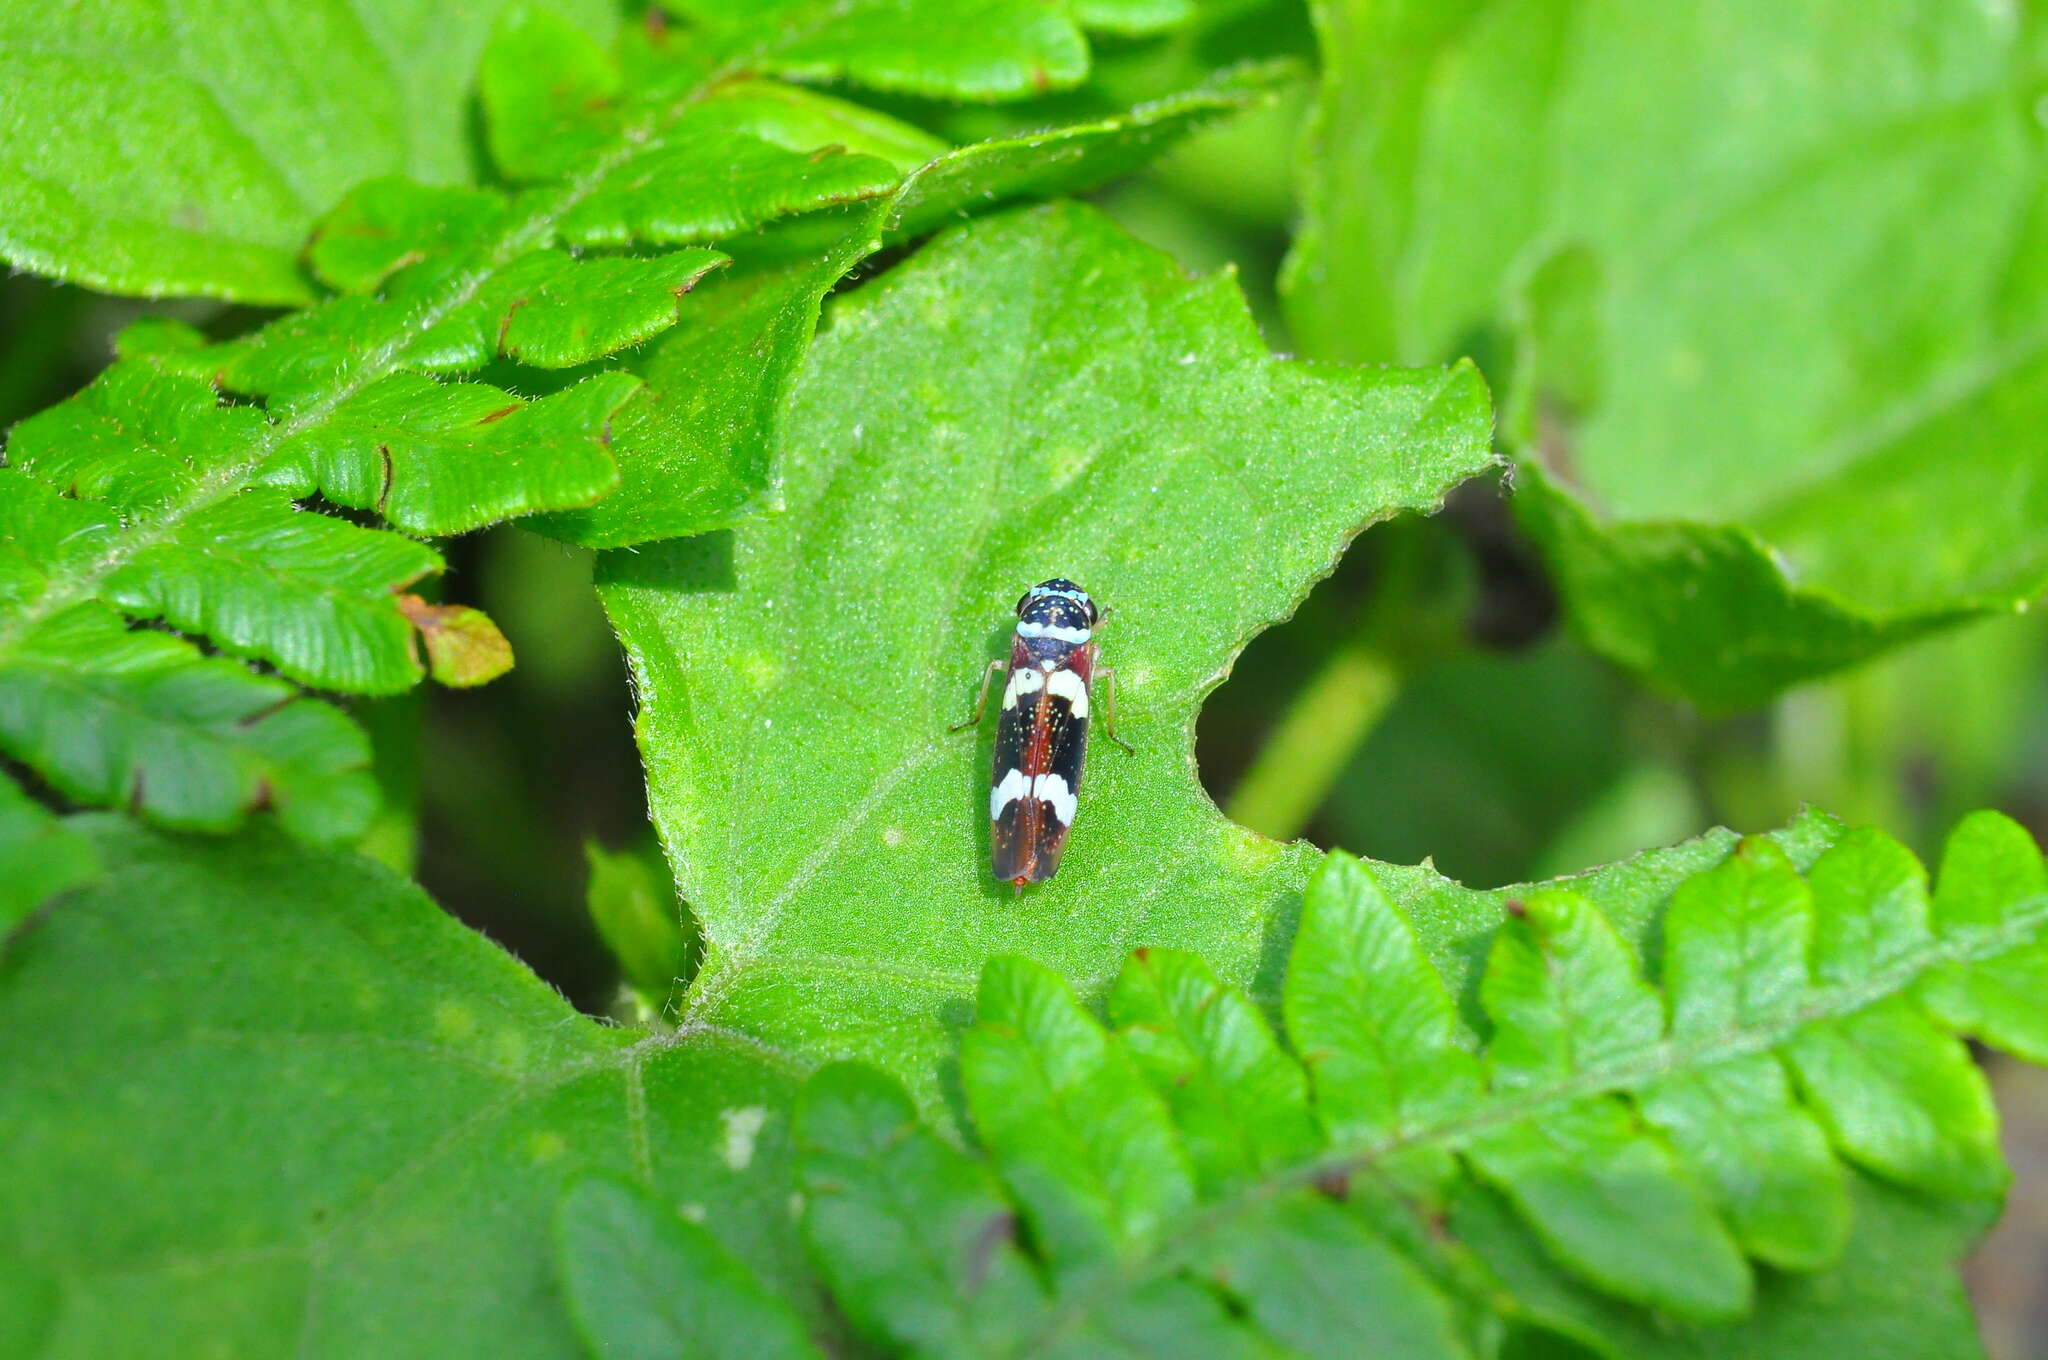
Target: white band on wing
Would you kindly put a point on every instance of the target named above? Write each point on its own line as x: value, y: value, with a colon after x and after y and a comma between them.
x: 1014, y: 785
x: 1052, y: 790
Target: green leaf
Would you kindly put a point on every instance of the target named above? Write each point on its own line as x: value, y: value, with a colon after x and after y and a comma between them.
x: 139, y: 718
x: 216, y: 136
x: 635, y: 910
x: 405, y: 1106
x: 960, y: 49
x: 670, y: 140
x: 39, y: 856
x: 1240, y: 1099
x: 1606, y: 1197
x: 646, y: 1284
x: 913, y: 1235
x: 409, y: 1106
x: 1033, y: 394
x: 1372, y: 1018
x: 1083, y: 1143
x: 1320, y: 1284
x: 1754, y: 448
x: 311, y: 593
x: 1990, y: 868
x: 695, y: 448
x: 1869, y: 906
x: 1904, y: 1099
x: 435, y: 459
x: 1735, y: 957
x: 1628, y: 1168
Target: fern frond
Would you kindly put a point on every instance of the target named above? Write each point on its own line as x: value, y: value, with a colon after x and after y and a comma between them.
x: 622, y: 169
x: 1655, y: 1139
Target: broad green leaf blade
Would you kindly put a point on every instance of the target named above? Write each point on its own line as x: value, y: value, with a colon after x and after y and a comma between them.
x: 916, y: 1241
x: 157, y: 148
x: 664, y: 143
x: 1768, y: 448
x: 1370, y: 1016
x: 1034, y: 394
x: 39, y: 856
x: 647, y: 1284
x: 1241, y: 1100
x: 1318, y: 1282
x: 1704, y: 610
x: 113, y: 716
x: 1081, y: 1140
x: 403, y: 1102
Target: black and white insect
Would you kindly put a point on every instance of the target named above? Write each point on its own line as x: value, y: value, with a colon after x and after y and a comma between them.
x: 1042, y: 732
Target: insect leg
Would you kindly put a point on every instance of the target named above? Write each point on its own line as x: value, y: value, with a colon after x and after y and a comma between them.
x: 981, y: 702
x: 1108, y: 677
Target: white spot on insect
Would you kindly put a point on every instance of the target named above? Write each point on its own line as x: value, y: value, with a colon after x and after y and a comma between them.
x: 693, y: 1212
x: 1067, y: 685
x: 1028, y: 629
x: 1022, y: 682
x: 1052, y: 790
x: 742, y: 1127
x: 1013, y: 785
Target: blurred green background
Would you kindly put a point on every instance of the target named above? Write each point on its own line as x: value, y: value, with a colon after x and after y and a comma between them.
x: 1425, y: 702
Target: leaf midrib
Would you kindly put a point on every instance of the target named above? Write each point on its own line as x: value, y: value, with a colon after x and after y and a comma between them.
x: 1644, y: 1065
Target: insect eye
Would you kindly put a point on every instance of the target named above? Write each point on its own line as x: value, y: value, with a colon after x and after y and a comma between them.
x: 1022, y: 600
x: 1093, y: 617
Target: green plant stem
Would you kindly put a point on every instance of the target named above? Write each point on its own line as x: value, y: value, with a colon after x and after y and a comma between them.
x: 1331, y: 716
x: 1321, y: 730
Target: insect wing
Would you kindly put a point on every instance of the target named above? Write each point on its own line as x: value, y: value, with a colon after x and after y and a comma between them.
x: 1041, y: 742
